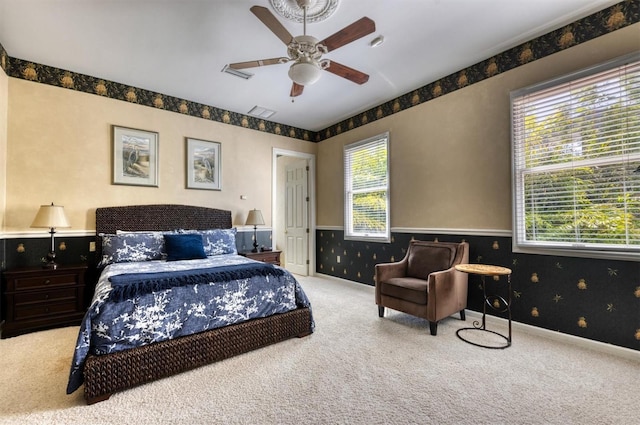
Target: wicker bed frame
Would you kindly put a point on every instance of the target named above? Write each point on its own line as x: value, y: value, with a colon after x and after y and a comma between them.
x: 106, y: 374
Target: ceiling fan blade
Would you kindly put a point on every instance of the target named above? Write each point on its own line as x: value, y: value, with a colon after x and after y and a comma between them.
x: 350, y: 33
x: 348, y: 73
x: 296, y: 90
x: 272, y: 23
x: 260, y: 62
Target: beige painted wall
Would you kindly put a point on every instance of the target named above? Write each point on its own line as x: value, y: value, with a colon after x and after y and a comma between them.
x: 59, y: 150
x: 450, y: 157
x: 4, y: 99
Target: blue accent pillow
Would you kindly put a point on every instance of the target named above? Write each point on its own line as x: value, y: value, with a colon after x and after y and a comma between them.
x: 186, y: 246
x: 129, y: 247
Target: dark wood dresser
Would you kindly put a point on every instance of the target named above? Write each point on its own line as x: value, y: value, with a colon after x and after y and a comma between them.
x: 272, y: 257
x: 38, y: 298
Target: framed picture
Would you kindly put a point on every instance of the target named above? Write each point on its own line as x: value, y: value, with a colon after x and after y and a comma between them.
x: 203, y: 165
x: 135, y: 157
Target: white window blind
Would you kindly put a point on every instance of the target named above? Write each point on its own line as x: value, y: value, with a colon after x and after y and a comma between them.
x: 366, y: 186
x: 576, y: 160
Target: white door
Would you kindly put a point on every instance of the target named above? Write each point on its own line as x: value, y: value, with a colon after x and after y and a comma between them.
x: 296, y: 218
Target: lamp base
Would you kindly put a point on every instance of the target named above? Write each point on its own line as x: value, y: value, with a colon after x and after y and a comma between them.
x: 50, y: 265
x: 51, y: 261
x: 255, y: 239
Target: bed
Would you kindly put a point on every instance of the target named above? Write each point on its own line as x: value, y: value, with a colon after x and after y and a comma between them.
x: 231, y: 304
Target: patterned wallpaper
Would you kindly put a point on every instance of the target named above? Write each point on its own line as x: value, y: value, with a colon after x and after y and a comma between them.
x: 610, y: 19
x: 594, y: 299
x: 3, y: 58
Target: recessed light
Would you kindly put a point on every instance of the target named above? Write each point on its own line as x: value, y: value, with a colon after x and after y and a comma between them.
x: 377, y: 41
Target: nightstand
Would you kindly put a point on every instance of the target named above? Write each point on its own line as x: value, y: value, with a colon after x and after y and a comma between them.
x: 37, y: 298
x: 272, y: 257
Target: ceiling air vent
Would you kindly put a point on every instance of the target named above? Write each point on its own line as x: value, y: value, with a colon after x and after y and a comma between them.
x: 237, y: 72
x: 260, y: 112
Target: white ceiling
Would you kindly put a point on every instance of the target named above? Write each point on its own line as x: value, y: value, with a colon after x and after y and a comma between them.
x: 179, y: 47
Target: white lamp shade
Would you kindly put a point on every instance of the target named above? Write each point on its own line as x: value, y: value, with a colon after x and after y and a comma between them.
x: 255, y: 218
x: 304, y: 73
x: 51, y: 216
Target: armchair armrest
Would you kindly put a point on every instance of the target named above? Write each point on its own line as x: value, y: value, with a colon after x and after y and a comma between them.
x: 386, y: 271
x: 448, y: 290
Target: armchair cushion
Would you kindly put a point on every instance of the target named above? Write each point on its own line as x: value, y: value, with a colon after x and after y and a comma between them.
x: 408, y: 289
x: 427, y: 258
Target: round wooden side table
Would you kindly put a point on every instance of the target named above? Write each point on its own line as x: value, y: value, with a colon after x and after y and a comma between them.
x: 494, y: 301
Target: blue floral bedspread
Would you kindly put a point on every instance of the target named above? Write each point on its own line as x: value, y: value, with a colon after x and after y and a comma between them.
x: 109, y: 326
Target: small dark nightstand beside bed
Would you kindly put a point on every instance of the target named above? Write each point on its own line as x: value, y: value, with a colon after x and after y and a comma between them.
x: 38, y: 298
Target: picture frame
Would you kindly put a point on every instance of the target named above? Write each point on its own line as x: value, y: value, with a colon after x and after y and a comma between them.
x: 203, y: 164
x: 135, y: 157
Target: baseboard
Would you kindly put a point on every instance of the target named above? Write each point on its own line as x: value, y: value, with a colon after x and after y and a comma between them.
x: 590, y: 344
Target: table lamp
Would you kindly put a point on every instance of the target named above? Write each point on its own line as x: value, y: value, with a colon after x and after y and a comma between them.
x: 255, y: 218
x: 52, y: 217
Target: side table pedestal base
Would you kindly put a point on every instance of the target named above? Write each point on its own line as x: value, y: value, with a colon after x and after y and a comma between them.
x: 504, y: 344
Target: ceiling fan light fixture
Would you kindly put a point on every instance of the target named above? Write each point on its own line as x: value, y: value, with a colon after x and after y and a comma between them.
x: 304, y: 72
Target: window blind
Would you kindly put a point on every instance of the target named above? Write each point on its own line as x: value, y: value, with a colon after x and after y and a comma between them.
x: 366, y: 182
x: 576, y: 160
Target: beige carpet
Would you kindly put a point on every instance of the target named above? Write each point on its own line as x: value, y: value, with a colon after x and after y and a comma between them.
x: 355, y: 369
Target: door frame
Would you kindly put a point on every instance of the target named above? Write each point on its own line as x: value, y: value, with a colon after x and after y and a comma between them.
x: 311, y: 211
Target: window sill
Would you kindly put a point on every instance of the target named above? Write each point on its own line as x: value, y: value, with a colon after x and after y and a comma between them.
x: 581, y: 253
x: 368, y: 239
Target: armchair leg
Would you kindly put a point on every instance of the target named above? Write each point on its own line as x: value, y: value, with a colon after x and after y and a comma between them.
x: 462, y: 315
x: 433, y: 326
x: 380, y: 311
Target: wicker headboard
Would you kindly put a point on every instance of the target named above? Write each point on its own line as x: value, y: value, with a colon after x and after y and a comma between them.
x: 160, y: 217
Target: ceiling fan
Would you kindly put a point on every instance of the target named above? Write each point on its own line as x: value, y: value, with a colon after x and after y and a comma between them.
x: 306, y: 51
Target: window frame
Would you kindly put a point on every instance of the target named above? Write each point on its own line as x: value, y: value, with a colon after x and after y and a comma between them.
x: 349, y: 233
x: 567, y: 248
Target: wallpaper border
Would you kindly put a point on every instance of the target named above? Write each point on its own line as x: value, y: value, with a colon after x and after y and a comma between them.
x: 593, y: 26
x: 3, y: 58
x: 600, y: 23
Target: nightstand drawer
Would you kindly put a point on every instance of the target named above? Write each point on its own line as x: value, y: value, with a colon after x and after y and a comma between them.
x: 44, y: 296
x: 20, y: 284
x: 272, y: 257
x: 269, y: 257
x: 32, y: 311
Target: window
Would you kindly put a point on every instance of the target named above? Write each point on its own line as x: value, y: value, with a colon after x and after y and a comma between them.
x: 576, y: 162
x: 366, y: 189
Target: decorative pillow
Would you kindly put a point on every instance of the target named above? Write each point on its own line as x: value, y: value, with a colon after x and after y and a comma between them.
x: 217, y: 241
x: 129, y: 247
x: 126, y: 232
x: 186, y: 246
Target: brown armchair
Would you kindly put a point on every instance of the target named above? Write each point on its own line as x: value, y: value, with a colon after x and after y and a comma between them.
x: 425, y: 283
